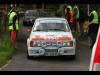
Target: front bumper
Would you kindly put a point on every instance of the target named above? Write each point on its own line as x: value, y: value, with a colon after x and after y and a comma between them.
x: 51, y: 51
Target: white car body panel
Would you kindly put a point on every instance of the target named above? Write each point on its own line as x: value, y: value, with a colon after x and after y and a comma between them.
x: 51, y: 36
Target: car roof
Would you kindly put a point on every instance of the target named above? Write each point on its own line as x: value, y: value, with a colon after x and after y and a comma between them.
x: 50, y: 18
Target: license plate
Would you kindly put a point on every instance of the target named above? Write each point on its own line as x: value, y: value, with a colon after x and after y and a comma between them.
x: 51, y: 52
x: 51, y: 47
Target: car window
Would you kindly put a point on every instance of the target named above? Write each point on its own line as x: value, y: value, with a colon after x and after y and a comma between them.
x: 51, y: 26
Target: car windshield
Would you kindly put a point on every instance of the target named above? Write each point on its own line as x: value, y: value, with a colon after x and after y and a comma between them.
x: 51, y: 27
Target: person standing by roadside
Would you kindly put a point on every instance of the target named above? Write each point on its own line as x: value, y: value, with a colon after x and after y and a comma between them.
x: 82, y: 18
x: 76, y: 17
x: 13, y: 24
x: 94, y: 25
x: 69, y: 16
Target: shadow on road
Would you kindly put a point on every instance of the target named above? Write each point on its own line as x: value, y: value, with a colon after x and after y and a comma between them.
x: 53, y: 58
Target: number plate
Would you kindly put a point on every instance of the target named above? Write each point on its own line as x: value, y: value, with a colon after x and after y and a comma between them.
x: 51, y: 52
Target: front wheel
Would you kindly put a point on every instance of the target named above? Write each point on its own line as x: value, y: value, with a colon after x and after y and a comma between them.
x: 31, y: 57
x: 70, y: 57
x: 73, y: 56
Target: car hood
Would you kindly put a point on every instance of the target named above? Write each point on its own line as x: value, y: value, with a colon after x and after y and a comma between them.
x: 51, y: 35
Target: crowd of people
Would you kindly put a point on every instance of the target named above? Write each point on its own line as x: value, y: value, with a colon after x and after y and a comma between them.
x: 76, y: 18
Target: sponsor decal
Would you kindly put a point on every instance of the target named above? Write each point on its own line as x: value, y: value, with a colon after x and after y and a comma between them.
x: 54, y: 38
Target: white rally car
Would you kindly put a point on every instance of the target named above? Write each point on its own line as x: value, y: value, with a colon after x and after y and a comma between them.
x: 51, y: 37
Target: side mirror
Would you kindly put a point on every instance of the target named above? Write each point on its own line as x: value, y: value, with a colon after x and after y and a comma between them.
x: 29, y: 30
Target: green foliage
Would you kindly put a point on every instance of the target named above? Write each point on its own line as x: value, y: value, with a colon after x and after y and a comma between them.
x: 6, y: 50
x: 60, y: 11
x: 50, y: 13
x: 98, y: 15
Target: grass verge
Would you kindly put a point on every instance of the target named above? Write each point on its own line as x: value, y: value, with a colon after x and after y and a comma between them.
x: 6, y: 50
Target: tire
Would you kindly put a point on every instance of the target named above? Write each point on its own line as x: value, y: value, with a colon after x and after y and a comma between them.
x: 29, y: 57
x: 73, y: 56
x: 70, y: 57
x: 35, y: 57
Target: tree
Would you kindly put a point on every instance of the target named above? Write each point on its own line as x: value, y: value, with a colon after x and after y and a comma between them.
x: 61, y: 12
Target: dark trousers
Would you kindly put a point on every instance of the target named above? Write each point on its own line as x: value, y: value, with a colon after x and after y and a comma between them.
x: 81, y: 29
x: 93, y: 30
x: 75, y: 26
x: 71, y: 26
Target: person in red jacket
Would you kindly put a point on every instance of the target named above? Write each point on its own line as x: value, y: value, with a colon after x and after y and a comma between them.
x: 69, y: 16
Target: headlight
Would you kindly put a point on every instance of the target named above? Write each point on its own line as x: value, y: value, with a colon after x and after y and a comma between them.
x: 59, y: 43
x: 32, y: 44
x: 64, y: 43
x: 43, y: 44
x: 68, y: 43
x: 37, y: 43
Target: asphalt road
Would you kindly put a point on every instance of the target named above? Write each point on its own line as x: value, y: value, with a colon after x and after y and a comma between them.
x: 20, y: 62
